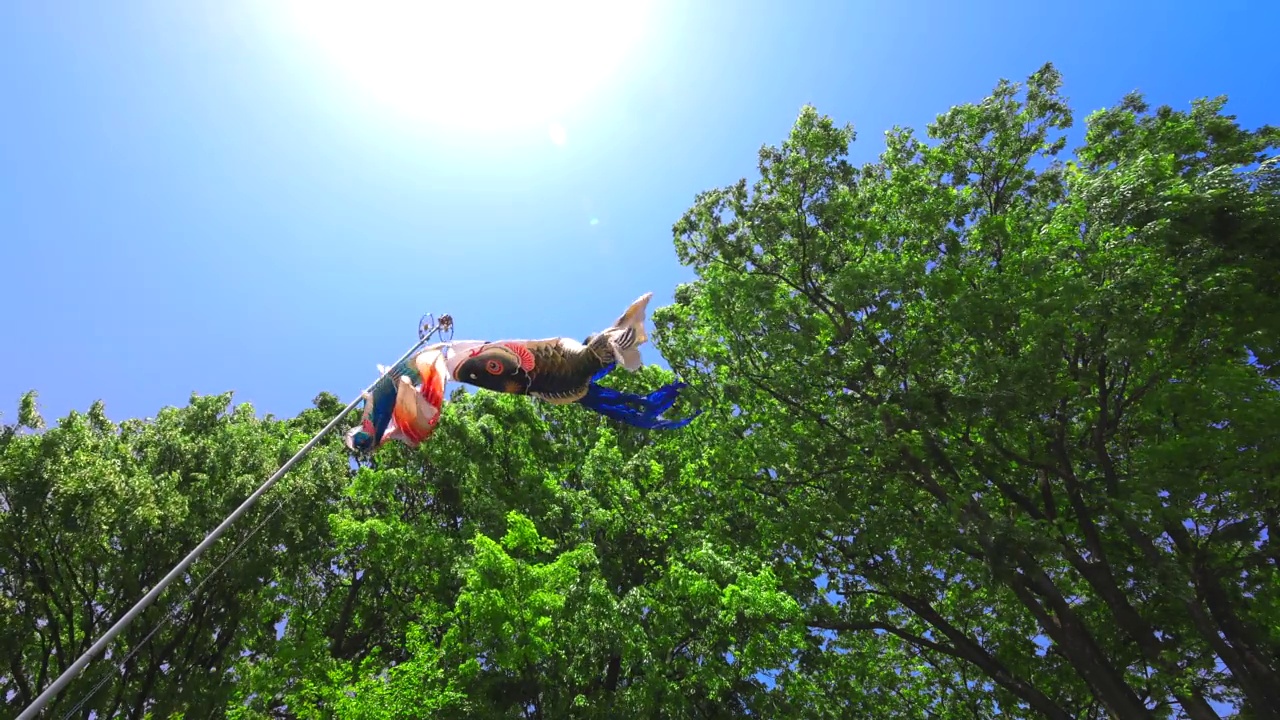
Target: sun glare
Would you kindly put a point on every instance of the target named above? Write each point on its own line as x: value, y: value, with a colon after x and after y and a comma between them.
x: 501, y: 63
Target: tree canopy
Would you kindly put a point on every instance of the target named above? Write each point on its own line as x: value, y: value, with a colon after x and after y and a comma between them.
x: 989, y: 431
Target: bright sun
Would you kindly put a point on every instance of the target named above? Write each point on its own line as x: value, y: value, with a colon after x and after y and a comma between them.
x: 482, y: 65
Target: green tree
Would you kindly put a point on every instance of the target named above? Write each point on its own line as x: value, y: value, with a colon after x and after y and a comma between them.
x: 94, y: 514
x: 1004, y: 403
x: 530, y: 561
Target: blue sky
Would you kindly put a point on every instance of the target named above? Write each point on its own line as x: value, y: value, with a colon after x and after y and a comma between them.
x: 195, y: 197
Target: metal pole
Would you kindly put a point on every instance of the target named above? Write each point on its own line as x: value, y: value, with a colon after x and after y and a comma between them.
x: 78, y: 666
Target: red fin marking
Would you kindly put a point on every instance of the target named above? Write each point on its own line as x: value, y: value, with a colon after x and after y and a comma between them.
x: 522, y: 352
x: 433, y: 389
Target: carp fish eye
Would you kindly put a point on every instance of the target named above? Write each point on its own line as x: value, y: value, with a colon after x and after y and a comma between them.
x: 494, y: 367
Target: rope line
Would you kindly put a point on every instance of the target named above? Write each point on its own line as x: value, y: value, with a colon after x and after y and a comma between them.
x: 425, y: 333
